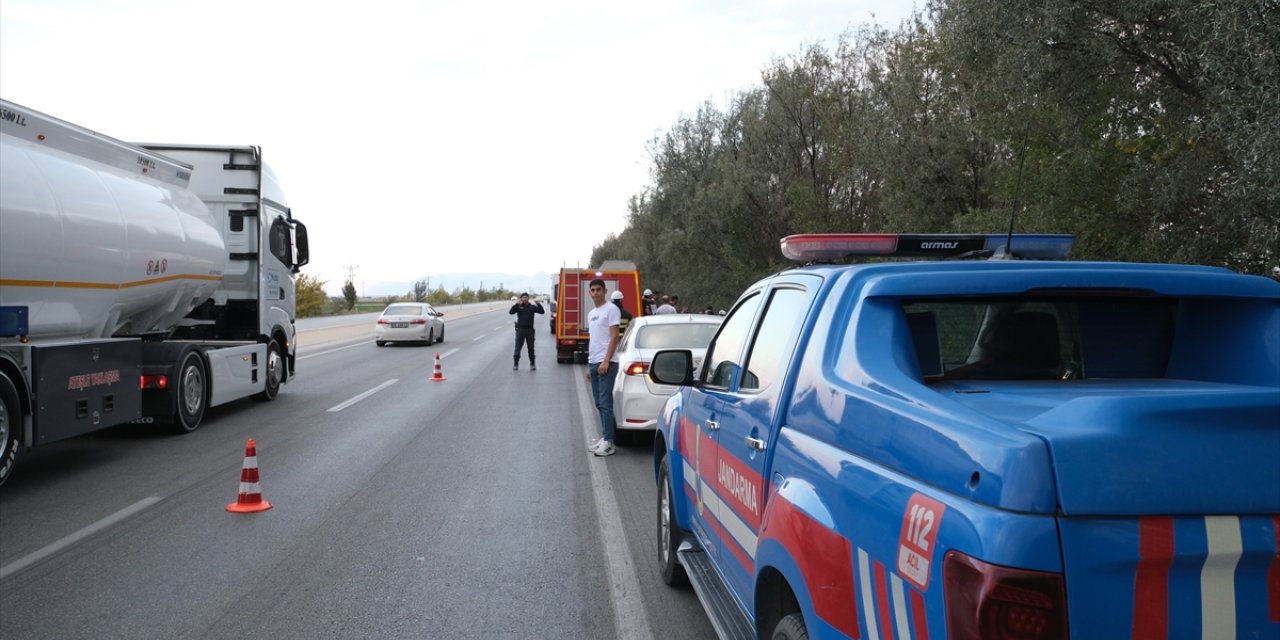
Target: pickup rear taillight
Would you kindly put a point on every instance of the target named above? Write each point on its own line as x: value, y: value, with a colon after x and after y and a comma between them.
x: 636, y: 368
x: 991, y: 602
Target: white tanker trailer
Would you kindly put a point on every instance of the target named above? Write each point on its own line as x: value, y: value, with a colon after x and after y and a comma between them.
x: 136, y: 282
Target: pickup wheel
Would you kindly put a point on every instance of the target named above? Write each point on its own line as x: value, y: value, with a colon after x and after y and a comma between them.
x: 669, y: 536
x: 380, y: 343
x: 790, y: 628
x: 193, y: 393
x: 10, y: 421
x: 274, y: 372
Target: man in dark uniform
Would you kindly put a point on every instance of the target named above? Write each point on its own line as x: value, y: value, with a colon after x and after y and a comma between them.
x: 616, y: 297
x: 523, y: 311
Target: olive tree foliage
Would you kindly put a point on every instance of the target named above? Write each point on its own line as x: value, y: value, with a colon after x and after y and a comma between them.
x: 1146, y: 128
x: 349, y: 296
x: 1147, y: 121
x: 311, y: 296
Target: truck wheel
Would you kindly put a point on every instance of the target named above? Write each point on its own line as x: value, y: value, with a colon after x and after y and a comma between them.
x: 669, y: 536
x: 275, y: 373
x: 192, y: 393
x: 10, y: 425
x: 791, y: 628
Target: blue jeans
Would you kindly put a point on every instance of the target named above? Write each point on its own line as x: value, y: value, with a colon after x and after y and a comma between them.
x: 602, y: 389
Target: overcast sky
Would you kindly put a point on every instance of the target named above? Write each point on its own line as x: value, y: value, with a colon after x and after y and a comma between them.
x: 419, y: 137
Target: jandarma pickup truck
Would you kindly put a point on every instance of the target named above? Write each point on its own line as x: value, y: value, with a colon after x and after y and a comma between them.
x: 1012, y: 447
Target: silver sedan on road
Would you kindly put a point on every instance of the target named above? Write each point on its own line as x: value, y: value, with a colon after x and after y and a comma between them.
x: 409, y: 322
x: 637, y: 400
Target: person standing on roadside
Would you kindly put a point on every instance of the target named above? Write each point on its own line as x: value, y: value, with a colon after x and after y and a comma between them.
x: 523, y: 310
x: 665, y: 307
x: 617, y: 297
x: 646, y: 309
x: 602, y: 362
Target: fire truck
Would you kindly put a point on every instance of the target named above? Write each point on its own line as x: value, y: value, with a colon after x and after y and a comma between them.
x: 573, y: 302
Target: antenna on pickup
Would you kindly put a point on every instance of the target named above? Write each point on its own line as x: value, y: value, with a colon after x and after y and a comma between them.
x: 1006, y: 252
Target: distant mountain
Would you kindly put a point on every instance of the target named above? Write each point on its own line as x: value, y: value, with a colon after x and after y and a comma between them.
x: 537, y: 283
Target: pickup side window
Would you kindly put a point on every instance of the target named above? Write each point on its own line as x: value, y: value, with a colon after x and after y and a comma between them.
x: 722, y: 355
x: 775, y: 339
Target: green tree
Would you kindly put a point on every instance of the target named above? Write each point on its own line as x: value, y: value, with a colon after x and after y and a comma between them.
x: 420, y: 291
x: 349, y: 295
x: 311, y: 296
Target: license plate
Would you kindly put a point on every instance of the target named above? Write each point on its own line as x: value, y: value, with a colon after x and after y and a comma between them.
x: 399, y: 325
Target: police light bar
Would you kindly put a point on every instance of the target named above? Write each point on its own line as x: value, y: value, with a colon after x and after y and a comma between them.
x: 816, y: 247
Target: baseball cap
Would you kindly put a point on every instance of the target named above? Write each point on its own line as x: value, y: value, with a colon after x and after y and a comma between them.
x: 616, y: 295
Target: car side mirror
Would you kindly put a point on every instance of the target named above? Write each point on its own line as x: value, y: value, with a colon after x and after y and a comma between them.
x: 672, y: 366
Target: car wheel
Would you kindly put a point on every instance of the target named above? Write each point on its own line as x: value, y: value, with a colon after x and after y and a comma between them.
x: 380, y: 343
x: 274, y: 372
x: 669, y: 535
x: 791, y: 627
x: 192, y: 393
x: 431, y: 338
x: 441, y: 338
x: 10, y: 419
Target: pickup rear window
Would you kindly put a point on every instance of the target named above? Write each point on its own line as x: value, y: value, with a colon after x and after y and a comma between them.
x: 1027, y: 338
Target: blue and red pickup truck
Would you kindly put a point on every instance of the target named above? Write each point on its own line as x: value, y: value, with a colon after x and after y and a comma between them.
x: 996, y: 448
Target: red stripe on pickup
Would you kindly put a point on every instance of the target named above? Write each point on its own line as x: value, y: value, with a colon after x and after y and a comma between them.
x: 825, y: 559
x: 1273, y: 575
x: 1151, y: 582
x: 918, y: 615
x: 882, y: 603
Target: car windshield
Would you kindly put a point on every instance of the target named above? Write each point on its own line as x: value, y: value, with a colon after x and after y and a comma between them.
x: 403, y: 310
x: 676, y: 336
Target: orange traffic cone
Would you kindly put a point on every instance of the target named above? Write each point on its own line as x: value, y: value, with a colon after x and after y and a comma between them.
x: 437, y: 375
x: 250, y: 499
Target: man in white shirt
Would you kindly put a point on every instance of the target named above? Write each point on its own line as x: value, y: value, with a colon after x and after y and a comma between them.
x: 602, y: 362
x: 665, y: 307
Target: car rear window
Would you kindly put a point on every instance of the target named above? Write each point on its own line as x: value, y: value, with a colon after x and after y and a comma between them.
x: 1031, y: 338
x: 676, y: 336
x: 403, y: 310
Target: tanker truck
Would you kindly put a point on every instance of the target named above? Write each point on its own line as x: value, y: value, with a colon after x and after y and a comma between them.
x: 138, y: 282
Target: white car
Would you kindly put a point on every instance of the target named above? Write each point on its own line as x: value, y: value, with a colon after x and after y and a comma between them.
x: 637, y: 400
x: 409, y: 322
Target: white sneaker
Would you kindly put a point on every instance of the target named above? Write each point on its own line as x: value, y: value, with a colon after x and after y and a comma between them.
x: 595, y: 442
x: 605, y: 448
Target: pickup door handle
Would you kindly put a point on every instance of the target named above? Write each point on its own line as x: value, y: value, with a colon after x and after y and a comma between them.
x: 711, y: 425
x: 755, y: 443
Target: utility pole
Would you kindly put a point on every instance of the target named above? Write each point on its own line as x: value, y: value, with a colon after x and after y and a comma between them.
x: 351, y: 276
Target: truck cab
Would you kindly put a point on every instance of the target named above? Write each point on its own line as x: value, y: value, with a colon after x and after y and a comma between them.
x: 979, y: 449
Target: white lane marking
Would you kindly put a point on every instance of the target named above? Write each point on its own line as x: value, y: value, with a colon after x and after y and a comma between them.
x: 629, y: 619
x: 868, y: 595
x: 37, y: 556
x: 900, y: 607
x: 498, y: 328
x: 1218, y: 577
x: 448, y: 353
x: 335, y: 349
x: 344, y: 405
x: 477, y: 338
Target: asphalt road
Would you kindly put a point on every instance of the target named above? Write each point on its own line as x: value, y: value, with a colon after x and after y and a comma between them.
x: 402, y: 508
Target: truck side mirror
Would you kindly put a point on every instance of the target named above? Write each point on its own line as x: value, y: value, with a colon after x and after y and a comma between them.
x: 301, y: 247
x: 672, y: 366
